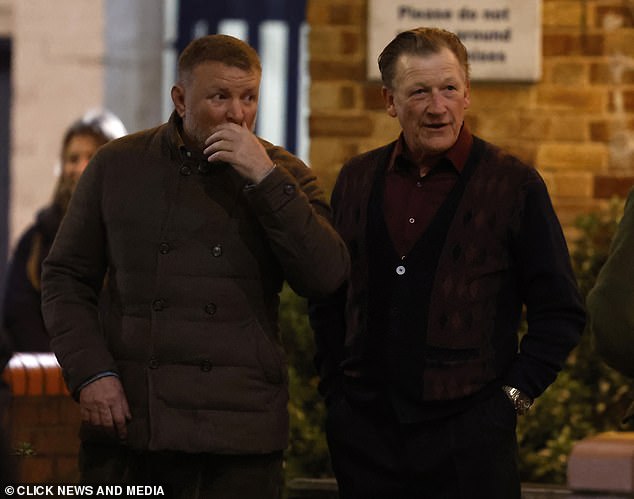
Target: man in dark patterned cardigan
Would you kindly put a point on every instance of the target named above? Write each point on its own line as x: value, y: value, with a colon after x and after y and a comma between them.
x: 449, y: 236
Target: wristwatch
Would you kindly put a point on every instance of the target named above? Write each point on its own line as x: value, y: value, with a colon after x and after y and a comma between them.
x: 521, y: 401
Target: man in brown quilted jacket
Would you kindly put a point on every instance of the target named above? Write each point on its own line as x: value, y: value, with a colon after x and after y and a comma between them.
x: 181, y: 379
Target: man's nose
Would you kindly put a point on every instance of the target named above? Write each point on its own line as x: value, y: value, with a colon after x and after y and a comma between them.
x: 437, y: 103
x: 235, y: 112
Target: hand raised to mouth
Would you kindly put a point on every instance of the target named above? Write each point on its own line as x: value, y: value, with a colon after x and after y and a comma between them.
x: 237, y: 145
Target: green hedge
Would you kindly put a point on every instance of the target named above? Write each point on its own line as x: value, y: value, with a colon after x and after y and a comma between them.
x: 587, y: 397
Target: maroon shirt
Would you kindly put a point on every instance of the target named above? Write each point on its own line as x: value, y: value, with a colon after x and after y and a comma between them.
x: 412, y: 199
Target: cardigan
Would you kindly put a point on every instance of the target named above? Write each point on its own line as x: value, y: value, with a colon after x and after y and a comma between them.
x: 195, y: 260
x: 502, y: 249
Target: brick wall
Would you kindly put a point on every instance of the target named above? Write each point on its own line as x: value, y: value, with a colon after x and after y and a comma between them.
x: 43, y: 420
x: 575, y: 125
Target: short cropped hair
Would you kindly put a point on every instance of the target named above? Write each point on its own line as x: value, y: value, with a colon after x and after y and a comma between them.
x: 219, y: 48
x: 420, y: 41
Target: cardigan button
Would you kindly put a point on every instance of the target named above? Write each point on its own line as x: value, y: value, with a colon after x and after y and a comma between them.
x: 211, y: 308
x: 153, y: 364
x: 216, y: 250
x: 164, y: 248
x: 185, y: 170
x: 205, y: 366
x: 400, y: 270
x: 158, y: 305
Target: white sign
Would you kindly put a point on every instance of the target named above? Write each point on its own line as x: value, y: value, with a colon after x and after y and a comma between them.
x: 503, y: 37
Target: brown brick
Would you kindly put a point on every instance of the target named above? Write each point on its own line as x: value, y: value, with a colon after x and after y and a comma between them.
x: 593, y: 44
x: 386, y: 129
x: 562, y: 14
x: 569, y: 209
x: 55, y: 440
x: 624, y: 98
x: 609, y: 73
x: 351, y: 12
x: 351, y: 42
x: 337, y: 95
x: 69, y: 411
x: 559, y: 44
x: 573, y: 184
x: 327, y: 42
x: 600, y: 131
x: 359, y: 126
x: 48, y: 409
x: 605, y: 130
x: 486, y: 98
x: 497, y: 127
x: 562, y: 44
x: 620, y: 42
x: 317, y: 12
x: 347, y: 97
x: 568, y: 73
x: 561, y: 97
x: 612, y: 16
x: 337, y: 70
x: 587, y: 157
x: 23, y: 411
x: 542, y: 127
x: 535, y: 126
x: 608, y: 186
x: 35, y: 469
x: 569, y: 129
x: 324, y: 42
x: 372, y: 96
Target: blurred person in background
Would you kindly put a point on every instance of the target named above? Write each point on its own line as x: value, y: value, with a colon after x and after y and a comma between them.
x: 611, y: 302
x: 22, y: 316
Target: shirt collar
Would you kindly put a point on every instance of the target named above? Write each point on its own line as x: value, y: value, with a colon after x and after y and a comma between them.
x: 177, y: 138
x: 457, y: 154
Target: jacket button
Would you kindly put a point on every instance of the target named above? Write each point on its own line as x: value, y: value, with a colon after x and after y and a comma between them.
x: 158, y: 305
x: 205, y: 366
x: 289, y: 189
x: 185, y: 170
x: 164, y: 248
x: 211, y: 308
x: 153, y: 364
x: 400, y: 270
x: 216, y: 250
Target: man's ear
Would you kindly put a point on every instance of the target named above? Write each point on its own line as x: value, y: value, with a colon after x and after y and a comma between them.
x: 178, y: 98
x: 388, y: 99
x: 467, y: 94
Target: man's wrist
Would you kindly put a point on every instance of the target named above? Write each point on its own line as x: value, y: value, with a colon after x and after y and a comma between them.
x: 520, y: 400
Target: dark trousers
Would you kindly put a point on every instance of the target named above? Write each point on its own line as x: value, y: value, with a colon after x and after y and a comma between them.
x: 469, y: 455
x: 186, y: 476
